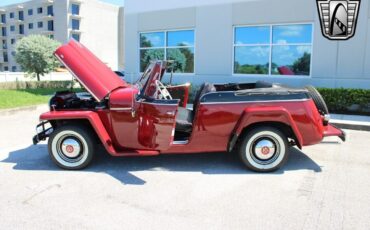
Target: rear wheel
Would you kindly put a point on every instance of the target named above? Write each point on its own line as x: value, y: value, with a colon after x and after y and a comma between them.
x: 71, y: 147
x: 264, y: 149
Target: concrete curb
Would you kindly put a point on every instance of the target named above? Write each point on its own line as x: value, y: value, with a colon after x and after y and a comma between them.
x: 361, y: 123
x: 358, y: 127
x: 20, y: 109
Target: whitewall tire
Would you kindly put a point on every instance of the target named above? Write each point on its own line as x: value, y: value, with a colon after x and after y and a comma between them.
x: 71, y: 147
x: 264, y: 149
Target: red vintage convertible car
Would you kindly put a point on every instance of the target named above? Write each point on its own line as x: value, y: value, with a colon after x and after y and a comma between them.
x: 260, y: 121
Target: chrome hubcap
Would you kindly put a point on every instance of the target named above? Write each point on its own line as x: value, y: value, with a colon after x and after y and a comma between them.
x: 264, y: 149
x: 71, y: 148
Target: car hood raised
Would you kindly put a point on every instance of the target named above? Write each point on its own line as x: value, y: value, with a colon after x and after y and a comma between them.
x: 92, y: 73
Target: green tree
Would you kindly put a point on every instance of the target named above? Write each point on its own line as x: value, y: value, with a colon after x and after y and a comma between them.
x: 302, y: 65
x: 178, y: 58
x: 35, y: 55
x: 149, y: 55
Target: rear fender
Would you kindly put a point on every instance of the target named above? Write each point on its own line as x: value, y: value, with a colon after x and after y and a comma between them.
x: 251, y: 116
x: 92, y: 117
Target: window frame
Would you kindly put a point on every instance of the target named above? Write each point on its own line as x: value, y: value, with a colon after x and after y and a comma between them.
x: 79, y: 9
x: 50, y: 12
x: 168, y: 47
x: 78, y: 23
x: 50, y: 25
x: 271, y: 45
x: 76, y: 34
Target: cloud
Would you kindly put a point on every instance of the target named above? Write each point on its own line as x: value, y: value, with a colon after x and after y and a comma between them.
x: 259, y: 51
x: 282, y: 42
x: 291, y: 31
x: 303, y: 49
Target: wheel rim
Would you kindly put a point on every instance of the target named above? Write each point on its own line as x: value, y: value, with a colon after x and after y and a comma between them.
x: 70, y: 148
x: 264, y: 150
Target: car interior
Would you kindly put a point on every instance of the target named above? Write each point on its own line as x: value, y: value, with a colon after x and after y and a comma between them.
x: 153, y: 89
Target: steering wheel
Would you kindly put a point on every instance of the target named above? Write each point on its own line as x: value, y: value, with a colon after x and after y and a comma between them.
x: 162, y: 91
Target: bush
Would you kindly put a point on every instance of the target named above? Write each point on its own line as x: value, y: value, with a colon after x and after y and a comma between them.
x: 21, y: 85
x: 347, y: 101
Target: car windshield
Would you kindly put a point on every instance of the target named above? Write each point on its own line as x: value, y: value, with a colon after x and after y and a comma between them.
x: 140, y: 83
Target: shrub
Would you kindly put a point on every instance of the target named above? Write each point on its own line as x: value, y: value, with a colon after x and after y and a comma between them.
x: 348, y: 101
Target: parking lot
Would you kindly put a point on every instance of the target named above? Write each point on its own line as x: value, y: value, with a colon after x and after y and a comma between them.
x: 326, y: 186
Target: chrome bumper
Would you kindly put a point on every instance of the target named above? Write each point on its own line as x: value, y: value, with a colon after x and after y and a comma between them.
x: 42, y: 134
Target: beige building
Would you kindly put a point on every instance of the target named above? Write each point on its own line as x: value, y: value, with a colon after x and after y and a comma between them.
x: 91, y: 22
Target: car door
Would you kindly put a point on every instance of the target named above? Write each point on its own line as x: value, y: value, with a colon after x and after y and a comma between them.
x: 156, y: 124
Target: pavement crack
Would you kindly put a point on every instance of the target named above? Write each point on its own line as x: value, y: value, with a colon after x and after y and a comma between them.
x: 26, y: 201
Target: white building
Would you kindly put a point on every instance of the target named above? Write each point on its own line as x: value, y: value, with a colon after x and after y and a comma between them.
x: 92, y: 22
x: 245, y: 41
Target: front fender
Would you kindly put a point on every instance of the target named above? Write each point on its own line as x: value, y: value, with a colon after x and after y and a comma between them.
x: 91, y: 116
x: 256, y: 115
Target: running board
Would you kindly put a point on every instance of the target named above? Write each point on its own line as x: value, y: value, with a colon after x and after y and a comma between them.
x: 137, y: 153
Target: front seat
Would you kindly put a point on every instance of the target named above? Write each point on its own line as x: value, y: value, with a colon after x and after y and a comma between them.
x: 185, y: 117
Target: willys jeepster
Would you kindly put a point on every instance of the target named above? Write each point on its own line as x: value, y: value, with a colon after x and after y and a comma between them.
x: 260, y: 121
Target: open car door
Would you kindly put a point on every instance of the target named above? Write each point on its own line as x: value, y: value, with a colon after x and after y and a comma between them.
x: 157, y: 118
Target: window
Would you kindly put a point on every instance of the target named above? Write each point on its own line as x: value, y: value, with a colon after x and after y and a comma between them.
x: 75, y: 24
x: 3, y: 31
x: 13, y: 53
x: 6, y: 68
x: 11, y: 15
x: 273, y: 50
x: 75, y: 8
x: 50, y: 11
x: 6, y: 59
x: 14, y: 68
x: 170, y: 45
x: 30, y: 26
x: 12, y: 41
x: 3, y: 18
x: 76, y: 37
x: 21, y: 15
x: 39, y: 10
x: 51, y: 25
x: 5, y: 45
x: 40, y: 24
x: 12, y: 28
x: 30, y: 12
x: 51, y: 36
x: 21, y: 29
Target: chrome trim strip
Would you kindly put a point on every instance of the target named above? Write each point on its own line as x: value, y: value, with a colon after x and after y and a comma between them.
x: 180, y: 142
x: 121, y: 109
x: 248, y: 102
x: 148, y: 103
x: 74, y: 75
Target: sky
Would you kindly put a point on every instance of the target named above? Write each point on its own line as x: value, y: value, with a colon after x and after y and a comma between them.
x: 9, y: 2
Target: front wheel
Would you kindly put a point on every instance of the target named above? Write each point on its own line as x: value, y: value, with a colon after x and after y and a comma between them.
x: 264, y: 149
x: 71, y: 147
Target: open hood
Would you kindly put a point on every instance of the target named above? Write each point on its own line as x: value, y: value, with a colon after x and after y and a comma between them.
x: 92, y: 73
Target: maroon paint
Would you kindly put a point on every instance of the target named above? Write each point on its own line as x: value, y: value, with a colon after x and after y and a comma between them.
x: 134, y: 127
x: 87, y: 66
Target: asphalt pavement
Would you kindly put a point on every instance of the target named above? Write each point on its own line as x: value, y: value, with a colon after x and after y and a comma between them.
x: 326, y: 186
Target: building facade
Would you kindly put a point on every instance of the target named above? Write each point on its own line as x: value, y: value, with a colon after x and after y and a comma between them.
x: 243, y: 41
x: 91, y: 22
